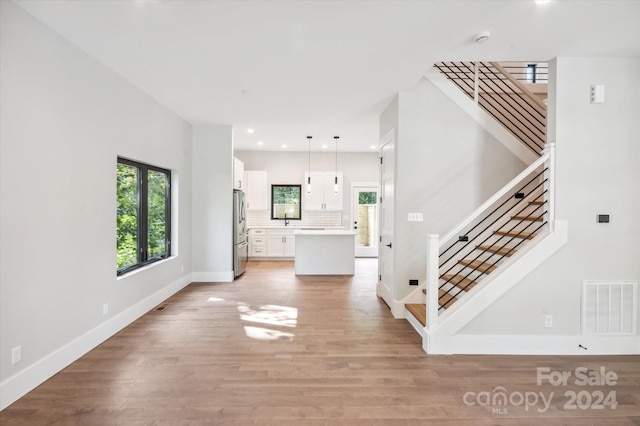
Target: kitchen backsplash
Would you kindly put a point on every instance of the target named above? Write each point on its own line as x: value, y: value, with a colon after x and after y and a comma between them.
x: 256, y: 218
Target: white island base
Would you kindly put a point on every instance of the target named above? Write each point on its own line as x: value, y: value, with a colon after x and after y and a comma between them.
x: 328, y: 252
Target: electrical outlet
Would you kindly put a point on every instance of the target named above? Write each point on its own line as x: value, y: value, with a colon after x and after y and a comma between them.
x: 105, y: 309
x: 16, y: 355
x: 548, y: 321
x: 182, y: 268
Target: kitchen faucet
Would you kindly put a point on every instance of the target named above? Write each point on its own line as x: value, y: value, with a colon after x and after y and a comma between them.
x: 286, y: 221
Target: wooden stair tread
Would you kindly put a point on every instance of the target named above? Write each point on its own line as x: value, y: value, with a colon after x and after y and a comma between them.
x: 418, y: 310
x: 529, y: 218
x: 502, y: 251
x: 523, y: 235
x: 459, y: 281
x: 536, y: 203
x: 478, y: 265
x: 445, y: 299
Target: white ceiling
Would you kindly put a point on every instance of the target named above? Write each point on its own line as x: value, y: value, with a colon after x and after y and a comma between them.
x: 288, y: 69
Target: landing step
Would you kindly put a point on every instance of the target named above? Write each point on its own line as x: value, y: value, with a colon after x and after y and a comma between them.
x: 523, y: 235
x: 419, y: 311
x: 529, y: 218
x: 459, y: 281
x: 478, y: 265
x: 502, y: 251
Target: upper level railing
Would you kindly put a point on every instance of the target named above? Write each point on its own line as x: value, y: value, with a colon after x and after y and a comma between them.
x: 509, y: 92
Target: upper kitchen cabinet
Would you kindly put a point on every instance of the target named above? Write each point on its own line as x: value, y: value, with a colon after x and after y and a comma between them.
x: 238, y: 174
x: 257, y: 194
x: 323, y: 195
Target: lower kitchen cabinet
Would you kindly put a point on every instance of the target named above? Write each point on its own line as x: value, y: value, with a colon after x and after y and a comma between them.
x: 272, y: 242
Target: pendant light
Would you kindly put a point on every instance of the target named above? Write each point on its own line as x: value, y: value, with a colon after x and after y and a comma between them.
x: 335, y: 181
x: 309, y: 172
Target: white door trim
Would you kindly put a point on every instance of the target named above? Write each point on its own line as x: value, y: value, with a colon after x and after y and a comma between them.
x: 355, y: 185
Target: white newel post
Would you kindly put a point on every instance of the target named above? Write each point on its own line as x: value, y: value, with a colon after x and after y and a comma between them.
x: 550, y: 148
x: 433, y: 252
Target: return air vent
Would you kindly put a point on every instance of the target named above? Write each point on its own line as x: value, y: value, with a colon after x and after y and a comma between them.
x: 609, y: 307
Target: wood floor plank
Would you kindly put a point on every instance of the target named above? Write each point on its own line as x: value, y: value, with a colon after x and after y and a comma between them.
x: 275, y: 349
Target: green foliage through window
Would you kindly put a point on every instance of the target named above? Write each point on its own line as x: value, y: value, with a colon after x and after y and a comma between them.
x: 143, y: 214
x: 285, y: 202
x: 367, y: 198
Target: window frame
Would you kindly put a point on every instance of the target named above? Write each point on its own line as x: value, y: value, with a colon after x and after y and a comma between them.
x: 142, y: 249
x: 273, y: 209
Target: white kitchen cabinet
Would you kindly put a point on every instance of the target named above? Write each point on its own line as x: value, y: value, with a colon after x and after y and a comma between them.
x: 272, y: 242
x: 257, y: 195
x: 257, y: 242
x: 238, y: 174
x: 281, y: 243
x: 323, y: 195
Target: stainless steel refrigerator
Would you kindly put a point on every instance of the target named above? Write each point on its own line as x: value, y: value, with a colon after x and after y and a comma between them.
x: 240, y: 238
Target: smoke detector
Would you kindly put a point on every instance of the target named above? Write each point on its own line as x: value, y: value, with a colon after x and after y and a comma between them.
x: 481, y: 37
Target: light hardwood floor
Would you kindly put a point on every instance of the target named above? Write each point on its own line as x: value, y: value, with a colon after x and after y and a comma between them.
x: 273, y: 348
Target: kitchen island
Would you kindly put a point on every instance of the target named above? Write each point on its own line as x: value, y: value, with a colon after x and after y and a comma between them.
x: 325, y: 252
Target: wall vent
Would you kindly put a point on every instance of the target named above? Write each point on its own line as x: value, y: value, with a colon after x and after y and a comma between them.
x: 609, y: 307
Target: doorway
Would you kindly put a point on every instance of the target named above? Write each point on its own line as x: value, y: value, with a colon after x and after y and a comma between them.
x: 365, y: 209
x: 385, y: 256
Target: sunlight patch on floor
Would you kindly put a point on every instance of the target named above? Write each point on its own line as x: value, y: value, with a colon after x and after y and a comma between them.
x: 260, y: 333
x: 269, y: 314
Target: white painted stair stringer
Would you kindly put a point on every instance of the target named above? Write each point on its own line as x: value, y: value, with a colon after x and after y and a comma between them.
x: 440, y: 338
x: 483, y: 118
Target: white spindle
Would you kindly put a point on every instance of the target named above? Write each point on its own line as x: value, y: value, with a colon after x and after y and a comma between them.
x: 433, y: 251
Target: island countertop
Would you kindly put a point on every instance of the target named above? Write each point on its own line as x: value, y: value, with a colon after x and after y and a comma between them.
x: 323, y: 232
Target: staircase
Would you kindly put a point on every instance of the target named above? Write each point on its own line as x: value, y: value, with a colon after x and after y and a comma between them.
x: 507, y: 224
x: 486, y: 245
x: 513, y: 93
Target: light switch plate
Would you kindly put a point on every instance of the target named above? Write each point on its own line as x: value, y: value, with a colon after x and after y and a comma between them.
x: 415, y: 217
x: 597, y: 94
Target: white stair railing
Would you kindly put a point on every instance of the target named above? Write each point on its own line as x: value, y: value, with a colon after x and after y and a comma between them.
x: 435, y: 244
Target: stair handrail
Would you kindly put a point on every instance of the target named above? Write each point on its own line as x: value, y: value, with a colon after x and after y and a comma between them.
x: 435, y: 244
x: 524, y: 89
x: 502, y: 192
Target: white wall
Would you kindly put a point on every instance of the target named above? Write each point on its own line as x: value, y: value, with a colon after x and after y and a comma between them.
x: 289, y: 167
x: 446, y: 166
x: 65, y: 119
x: 212, y: 213
x: 597, y: 172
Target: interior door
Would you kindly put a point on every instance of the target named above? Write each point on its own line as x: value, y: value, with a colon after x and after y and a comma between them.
x: 385, y: 248
x: 364, y: 219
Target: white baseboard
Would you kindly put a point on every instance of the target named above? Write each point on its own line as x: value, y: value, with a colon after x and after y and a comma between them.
x: 534, y: 345
x: 212, y: 277
x: 26, y: 380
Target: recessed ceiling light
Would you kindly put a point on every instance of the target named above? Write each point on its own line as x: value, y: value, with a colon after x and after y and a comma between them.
x: 250, y: 131
x: 260, y: 143
x: 541, y: 1
x: 325, y: 146
x: 284, y: 146
x: 373, y: 147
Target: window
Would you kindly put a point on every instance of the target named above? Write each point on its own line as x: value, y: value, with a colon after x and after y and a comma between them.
x: 143, y: 215
x: 285, y: 202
